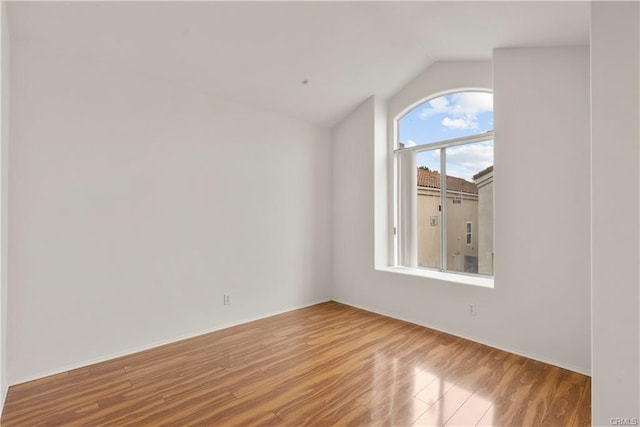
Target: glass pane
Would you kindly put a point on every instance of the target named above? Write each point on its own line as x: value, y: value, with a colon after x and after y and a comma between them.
x: 469, y: 222
x: 447, y: 117
x: 428, y: 207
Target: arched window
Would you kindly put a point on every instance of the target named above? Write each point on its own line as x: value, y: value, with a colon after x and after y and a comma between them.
x: 444, y: 184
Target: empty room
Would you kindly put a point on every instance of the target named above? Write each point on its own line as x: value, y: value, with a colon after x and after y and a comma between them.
x: 332, y: 213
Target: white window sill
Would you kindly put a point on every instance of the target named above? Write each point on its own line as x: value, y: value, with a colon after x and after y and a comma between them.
x: 484, y: 282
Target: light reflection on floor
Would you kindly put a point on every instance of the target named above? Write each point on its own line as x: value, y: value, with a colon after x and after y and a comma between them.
x: 429, y: 401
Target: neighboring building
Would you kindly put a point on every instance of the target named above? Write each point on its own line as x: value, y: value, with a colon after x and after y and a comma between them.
x: 462, y: 220
x: 484, y: 182
x: 469, y: 222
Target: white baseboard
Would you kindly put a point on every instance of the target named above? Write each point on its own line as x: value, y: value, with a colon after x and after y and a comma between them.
x: 134, y: 350
x: 479, y: 341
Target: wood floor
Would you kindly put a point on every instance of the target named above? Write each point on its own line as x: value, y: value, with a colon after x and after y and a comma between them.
x: 325, y: 365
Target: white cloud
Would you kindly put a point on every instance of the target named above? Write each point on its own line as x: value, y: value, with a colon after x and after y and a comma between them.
x: 462, y: 111
x: 410, y: 143
x: 436, y: 106
x: 440, y: 102
x: 472, y: 103
x: 465, y: 161
x: 462, y: 123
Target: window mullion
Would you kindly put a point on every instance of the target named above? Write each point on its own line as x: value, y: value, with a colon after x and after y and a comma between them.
x: 407, y: 218
x: 443, y: 209
x: 486, y: 136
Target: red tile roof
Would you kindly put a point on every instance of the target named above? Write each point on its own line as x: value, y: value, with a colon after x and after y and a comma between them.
x: 483, y: 172
x: 431, y: 179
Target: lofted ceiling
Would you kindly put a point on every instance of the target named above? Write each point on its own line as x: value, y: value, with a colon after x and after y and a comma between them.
x: 259, y: 53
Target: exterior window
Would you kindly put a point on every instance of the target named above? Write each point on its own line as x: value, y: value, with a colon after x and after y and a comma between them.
x: 444, y: 184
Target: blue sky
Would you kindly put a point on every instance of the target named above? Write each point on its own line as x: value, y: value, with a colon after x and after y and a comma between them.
x: 448, y: 117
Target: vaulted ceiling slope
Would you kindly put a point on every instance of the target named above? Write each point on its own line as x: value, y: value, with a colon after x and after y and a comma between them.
x: 258, y: 53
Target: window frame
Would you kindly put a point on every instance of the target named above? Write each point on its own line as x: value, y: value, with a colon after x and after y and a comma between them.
x: 399, y: 235
x: 468, y: 232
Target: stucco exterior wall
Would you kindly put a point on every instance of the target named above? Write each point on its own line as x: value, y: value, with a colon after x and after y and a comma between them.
x: 429, y: 236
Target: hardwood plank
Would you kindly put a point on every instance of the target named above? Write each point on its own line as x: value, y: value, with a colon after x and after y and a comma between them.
x: 527, y: 379
x: 329, y: 364
x: 503, y: 412
x: 443, y: 409
x: 181, y: 410
x: 563, y: 407
x: 470, y: 412
x: 405, y: 413
x: 434, y: 391
x: 583, y: 409
x: 541, y: 395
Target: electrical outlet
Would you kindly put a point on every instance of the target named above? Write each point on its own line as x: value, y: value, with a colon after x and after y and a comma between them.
x: 473, y: 309
x: 227, y: 299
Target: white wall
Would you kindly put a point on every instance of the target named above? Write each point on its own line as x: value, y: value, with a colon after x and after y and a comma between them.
x: 4, y: 163
x: 134, y: 205
x: 353, y: 204
x: 540, y: 304
x: 543, y: 198
x: 615, y: 242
